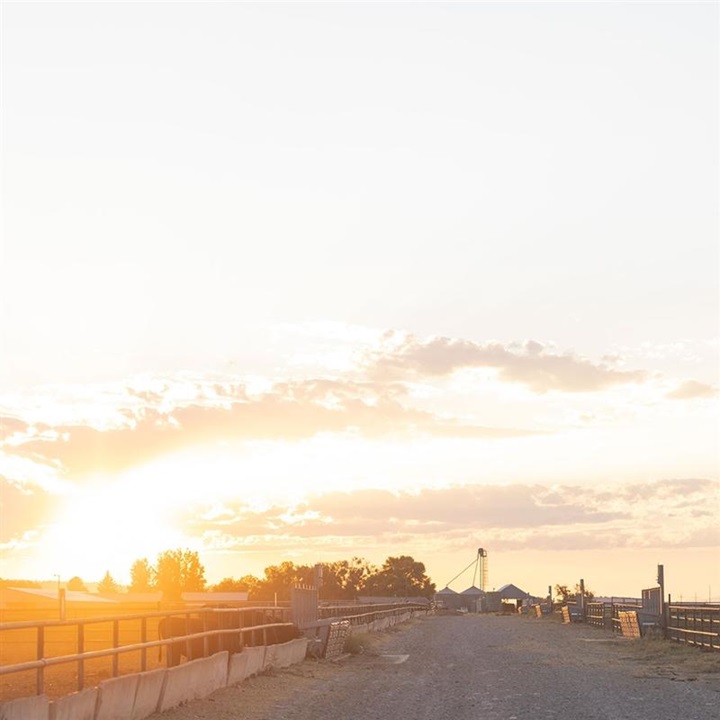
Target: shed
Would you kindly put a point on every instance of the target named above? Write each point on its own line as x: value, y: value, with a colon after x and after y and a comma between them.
x: 512, y: 592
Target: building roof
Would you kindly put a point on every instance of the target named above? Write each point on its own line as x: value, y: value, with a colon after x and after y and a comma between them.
x: 71, y: 596
x: 512, y: 592
x: 212, y: 598
x: 446, y: 591
x: 472, y: 590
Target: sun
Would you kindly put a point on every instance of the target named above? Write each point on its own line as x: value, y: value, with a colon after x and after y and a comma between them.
x: 106, y: 526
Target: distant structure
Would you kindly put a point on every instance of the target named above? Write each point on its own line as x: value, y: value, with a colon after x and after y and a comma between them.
x: 482, y: 567
x: 477, y: 598
x: 473, y: 598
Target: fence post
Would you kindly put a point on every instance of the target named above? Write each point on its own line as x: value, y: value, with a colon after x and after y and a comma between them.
x: 206, y: 639
x: 81, y: 650
x: 661, y: 609
x: 116, y: 643
x: 61, y: 603
x: 40, y: 679
x: 143, y: 639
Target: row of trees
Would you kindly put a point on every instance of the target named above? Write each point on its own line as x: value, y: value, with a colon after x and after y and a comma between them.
x: 178, y: 571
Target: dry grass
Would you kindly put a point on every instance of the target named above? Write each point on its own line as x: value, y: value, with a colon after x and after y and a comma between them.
x: 672, y: 659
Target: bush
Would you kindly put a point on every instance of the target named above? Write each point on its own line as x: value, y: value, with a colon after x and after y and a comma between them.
x: 354, y: 645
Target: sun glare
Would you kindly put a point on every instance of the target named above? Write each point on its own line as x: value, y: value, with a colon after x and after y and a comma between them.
x: 105, y: 528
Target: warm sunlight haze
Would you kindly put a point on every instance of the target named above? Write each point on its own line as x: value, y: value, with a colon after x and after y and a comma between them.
x: 313, y: 281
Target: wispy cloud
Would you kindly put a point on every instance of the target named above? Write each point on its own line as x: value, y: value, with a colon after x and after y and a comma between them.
x: 537, y: 366
x: 151, y: 423
x: 691, y: 390
x: 23, y: 509
x: 510, y: 517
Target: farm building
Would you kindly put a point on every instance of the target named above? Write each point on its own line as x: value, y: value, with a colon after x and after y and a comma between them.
x: 473, y: 599
x: 470, y: 600
x: 448, y: 599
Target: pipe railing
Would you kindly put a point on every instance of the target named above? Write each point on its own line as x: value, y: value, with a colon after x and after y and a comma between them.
x: 81, y: 656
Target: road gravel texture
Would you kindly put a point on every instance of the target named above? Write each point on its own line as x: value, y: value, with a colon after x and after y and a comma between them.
x: 482, y: 667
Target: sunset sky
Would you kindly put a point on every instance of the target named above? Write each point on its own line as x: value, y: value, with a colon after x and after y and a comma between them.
x: 312, y: 281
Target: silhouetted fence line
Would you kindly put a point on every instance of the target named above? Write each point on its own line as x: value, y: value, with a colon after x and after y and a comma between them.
x: 694, y: 624
x: 688, y: 623
x: 248, y: 623
x: 42, y: 661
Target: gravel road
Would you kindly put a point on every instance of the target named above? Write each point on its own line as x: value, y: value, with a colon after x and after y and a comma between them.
x: 482, y: 667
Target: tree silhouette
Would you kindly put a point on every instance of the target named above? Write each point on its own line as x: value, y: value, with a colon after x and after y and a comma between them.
x: 345, y: 579
x: 179, y: 571
x: 247, y: 583
x: 142, y: 576
x: 76, y: 583
x: 567, y: 595
x: 107, y: 585
x: 280, y: 578
x: 400, y: 577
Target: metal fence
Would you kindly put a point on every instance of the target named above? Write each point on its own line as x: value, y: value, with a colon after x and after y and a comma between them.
x: 690, y: 623
x: 118, y: 642
x: 40, y: 646
x: 694, y: 624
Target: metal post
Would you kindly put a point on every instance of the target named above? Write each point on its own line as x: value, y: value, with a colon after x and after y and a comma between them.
x: 40, y: 680
x: 61, y: 603
x: 582, y: 599
x: 143, y: 639
x: 81, y: 650
x: 206, y: 639
x: 116, y: 643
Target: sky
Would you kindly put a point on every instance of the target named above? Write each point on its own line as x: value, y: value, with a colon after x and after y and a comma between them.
x: 308, y: 281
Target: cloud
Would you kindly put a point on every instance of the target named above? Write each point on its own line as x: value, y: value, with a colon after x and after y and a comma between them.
x: 22, y: 509
x: 155, y: 423
x: 534, y: 365
x: 11, y: 425
x: 516, y: 517
x: 691, y: 390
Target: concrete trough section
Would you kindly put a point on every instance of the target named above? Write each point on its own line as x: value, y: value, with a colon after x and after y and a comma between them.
x: 237, y: 668
x: 32, y: 708
x: 116, y: 698
x: 292, y: 652
x: 147, y: 696
x: 193, y: 680
x: 255, y: 659
x: 78, y: 706
x: 270, y: 659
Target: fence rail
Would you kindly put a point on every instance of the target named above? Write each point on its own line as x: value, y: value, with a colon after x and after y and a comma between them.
x: 79, y: 633
x: 694, y: 625
x: 26, y: 648
x: 690, y: 623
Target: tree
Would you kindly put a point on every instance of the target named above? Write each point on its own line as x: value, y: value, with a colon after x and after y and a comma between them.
x: 400, y: 577
x: 76, y: 583
x: 20, y: 583
x: 565, y: 595
x: 107, y: 586
x: 142, y: 576
x: 179, y: 571
x: 280, y: 578
x: 345, y: 580
x: 247, y: 584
